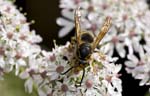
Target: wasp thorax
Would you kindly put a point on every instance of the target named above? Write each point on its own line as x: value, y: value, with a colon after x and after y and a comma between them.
x: 86, y: 37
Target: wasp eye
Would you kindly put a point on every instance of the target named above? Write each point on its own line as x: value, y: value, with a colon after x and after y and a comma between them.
x: 86, y: 37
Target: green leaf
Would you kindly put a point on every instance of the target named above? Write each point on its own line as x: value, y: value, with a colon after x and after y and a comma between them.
x: 13, y: 86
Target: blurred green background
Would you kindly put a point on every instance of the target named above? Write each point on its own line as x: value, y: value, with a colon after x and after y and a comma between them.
x: 13, y: 86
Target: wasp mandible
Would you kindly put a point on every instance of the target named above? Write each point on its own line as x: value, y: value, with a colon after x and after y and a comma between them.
x: 85, y: 43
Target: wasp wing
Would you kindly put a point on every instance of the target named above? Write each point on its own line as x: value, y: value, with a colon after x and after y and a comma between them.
x: 77, y: 25
x: 103, y: 31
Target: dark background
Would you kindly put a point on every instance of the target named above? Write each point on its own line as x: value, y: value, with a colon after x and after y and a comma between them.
x: 45, y: 12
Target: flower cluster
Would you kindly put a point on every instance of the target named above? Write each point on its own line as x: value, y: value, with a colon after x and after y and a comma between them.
x: 129, y: 31
x: 99, y: 78
x: 17, y: 42
x: 139, y: 66
x: 47, y: 71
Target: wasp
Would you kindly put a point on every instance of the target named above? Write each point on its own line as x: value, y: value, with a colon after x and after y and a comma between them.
x: 85, y: 43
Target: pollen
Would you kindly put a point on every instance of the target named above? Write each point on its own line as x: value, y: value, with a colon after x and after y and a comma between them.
x: 64, y: 88
x: 89, y: 83
x: 60, y: 69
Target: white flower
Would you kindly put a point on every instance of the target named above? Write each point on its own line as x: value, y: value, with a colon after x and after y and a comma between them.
x: 139, y: 68
x: 55, y: 64
x: 90, y: 86
x: 115, y: 41
x: 67, y: 25
x: 111, y: 79
x: 65, y: 88
x: 114, y: 86
x: 55, y: 70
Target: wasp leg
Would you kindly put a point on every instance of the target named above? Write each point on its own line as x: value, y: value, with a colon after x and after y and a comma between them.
x: 82, y: 76
x: 67, y: 71
x: 79, y: 83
